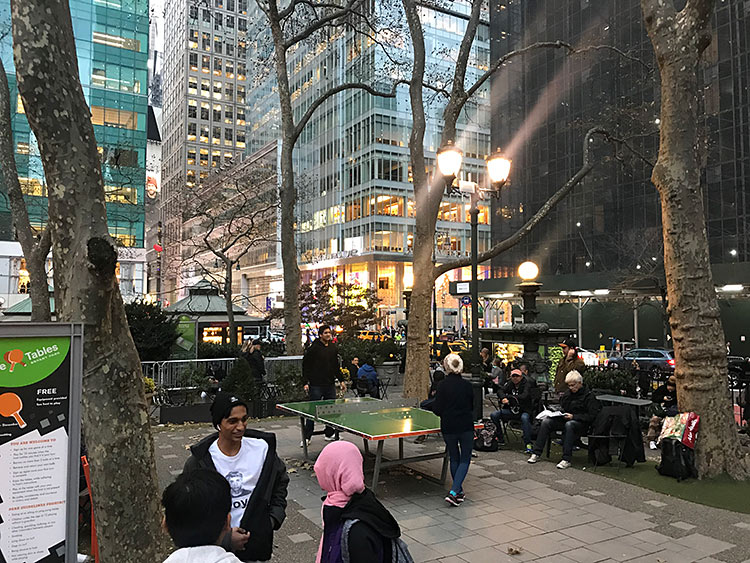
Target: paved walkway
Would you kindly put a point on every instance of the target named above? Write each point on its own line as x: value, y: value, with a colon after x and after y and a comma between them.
x: 514, y: 512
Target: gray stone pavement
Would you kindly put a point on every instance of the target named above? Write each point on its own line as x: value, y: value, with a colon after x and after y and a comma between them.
x: 514, y: 512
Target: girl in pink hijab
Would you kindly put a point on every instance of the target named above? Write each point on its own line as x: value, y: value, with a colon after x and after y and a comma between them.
x: 356, y: 526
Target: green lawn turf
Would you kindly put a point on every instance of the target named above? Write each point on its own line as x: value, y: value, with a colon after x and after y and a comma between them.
x: 721, y: 492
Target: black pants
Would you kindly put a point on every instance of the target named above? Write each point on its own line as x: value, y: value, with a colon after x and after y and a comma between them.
x: 317, y: 393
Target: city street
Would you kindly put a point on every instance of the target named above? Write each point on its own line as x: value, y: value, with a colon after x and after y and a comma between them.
x: 514, y: 511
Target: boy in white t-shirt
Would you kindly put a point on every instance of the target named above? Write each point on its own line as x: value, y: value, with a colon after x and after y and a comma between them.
x: 196, y: 516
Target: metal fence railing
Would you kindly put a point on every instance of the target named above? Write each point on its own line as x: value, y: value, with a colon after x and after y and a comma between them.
x: 178, y: 373
x: 276, y: 366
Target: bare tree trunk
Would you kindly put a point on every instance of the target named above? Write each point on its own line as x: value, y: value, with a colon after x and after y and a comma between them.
x: 228, y: 300
x: 287, y: 191
x: 679, y: 39
x: 35, y: 249
x: 115, y: 418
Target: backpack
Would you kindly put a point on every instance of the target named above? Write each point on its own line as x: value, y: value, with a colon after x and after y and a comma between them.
x: 677, y: 460
x: 400, y: 553
x: 485, y: 439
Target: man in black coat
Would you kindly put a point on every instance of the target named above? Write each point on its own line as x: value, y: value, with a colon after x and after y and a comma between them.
x: 320, y: 369
x: 515, y: 404
x: 579, y: 409
x: 257, y: 477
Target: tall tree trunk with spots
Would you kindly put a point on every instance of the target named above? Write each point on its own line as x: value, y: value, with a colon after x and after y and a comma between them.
x: 115, y: 419
x: 679, y: 39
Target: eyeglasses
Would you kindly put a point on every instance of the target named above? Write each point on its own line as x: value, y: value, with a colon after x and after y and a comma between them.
x: 516, y: 375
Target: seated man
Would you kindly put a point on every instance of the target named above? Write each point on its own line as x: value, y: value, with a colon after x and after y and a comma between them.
x: 197, y: 517
x: 664, y: 398
x: 367, y: 375
x: 579, y: 409
x: 515, y: 401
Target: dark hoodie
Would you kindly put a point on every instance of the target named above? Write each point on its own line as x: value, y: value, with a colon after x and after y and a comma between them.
x: 369, y: 538
x: 320, y: 366
x: 266, y: 509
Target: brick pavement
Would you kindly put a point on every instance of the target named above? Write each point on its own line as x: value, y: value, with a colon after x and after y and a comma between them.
x: 537, y: 512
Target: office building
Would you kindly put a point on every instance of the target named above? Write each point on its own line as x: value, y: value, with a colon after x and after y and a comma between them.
x: 112, y: 46
x: 543, y: 105
x: 204, y: 96
x: 356, y: 203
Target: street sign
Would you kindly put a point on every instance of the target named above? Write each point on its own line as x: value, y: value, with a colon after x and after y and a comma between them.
x: 466, y: 300
x: 462, y: 287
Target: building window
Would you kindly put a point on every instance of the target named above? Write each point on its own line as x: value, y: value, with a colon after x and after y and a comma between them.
x: 116, y: 41
x: 19, y: 104
x: 193, y: 39
x: 229, y: 22
x: 215, y: 158
x: 22, y: 148
x: 218, y: 3
x: 229, y: 69
x: 217, y: 44
x: 217, y: 112
x: 241, y: 24
x: 206, y: 41
x: 242, y: 6
x: 206, y: 88
x: 240, y: 140
x: 193, y: 109
x: 190, y: 178
x: 192, y: 129
x: 230, y: 5
x: 216, y: 140
x: 205, y: 107
x: 114, y: 117
x: 228, y: 115
x: 193, y: 14
x: 193, y: 59
x: 217, y: 21
x: 240, y: 94
x: 193, y: 86
x: 191, y: 155
x: 204, y: 134
x: 241, y: 48
x: 241, y: 71
x: 206, y: 64
x: 204, y: 159
x: 240, y: 116
x: 229, y: 48
x: 206, y: 16
x: 217, y: 66
x: 228, y: 137
x: 229, y: 92
x: 217, y: 90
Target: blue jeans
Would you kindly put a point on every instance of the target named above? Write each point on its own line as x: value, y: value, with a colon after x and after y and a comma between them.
x: 459, y: 450
x: 317, y: 393
x: 572, y: 430
x: 506, y: 415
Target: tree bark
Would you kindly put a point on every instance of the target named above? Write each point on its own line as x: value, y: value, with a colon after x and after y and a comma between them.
x: 287, y: 190
x: 679, y: 39
x: 228, y: 300
x: 115, y: 418
x: 35, y: 249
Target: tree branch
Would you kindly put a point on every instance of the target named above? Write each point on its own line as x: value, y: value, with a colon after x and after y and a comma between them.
x: 542, y: 213
x: 321, y: 23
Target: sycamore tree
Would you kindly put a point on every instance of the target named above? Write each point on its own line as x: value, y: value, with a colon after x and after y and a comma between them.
x: 228, y: 219
x: 115, y: 418
x: 457, y: 85
x: 679, y: 38
x: 34, y: 244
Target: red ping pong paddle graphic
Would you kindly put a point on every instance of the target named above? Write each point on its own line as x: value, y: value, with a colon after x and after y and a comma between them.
x: 10, y: 406
x: 14, y: 357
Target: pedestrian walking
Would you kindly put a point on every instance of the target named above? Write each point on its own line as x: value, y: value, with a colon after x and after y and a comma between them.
x: 357, y: 527
x: 454, y: 404
x: 257, y: 477
x: 320, y: 369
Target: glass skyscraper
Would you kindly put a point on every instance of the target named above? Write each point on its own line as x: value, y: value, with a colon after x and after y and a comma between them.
x: 112, y: 46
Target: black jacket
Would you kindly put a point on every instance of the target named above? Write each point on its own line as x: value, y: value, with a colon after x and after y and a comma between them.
x: 665, y: 398
x: 618, y: 424
x: 370, y: 538
x: 582, y: 405
x: 320, y: 366
x: 268, y: 501
x: 257, y: 364
x: 454, y: 404
x: 517, y: 396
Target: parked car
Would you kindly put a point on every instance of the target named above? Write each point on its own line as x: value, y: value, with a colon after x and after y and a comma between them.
x: 653, y: 360
x: 372, y: 335
x: 739, y: 371
x: 458, y: 346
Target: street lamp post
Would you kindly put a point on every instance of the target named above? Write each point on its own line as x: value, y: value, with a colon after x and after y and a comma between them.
x: 449, y: 160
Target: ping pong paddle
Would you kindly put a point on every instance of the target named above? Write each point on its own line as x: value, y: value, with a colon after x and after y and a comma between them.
x: 14, y: 357
x: 10, y: 406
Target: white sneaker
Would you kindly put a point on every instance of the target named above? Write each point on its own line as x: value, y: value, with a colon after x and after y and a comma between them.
x: 652, y: 445
x: 331, y: 438
x: 533, y: 459
x: 302, y: 443
x: 563, y: 464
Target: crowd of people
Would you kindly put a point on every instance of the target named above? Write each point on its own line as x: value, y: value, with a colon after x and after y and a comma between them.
x: 232, y: 494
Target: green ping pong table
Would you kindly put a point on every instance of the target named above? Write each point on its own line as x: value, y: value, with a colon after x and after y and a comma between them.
x: 373, y: 420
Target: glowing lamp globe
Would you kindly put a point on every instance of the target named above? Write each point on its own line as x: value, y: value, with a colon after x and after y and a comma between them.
x: 498, y: 167
x: 528, y: 271
x: 449, y: 160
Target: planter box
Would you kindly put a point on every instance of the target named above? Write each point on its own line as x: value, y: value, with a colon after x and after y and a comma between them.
x: 185, y: 413
x: 390, y: 369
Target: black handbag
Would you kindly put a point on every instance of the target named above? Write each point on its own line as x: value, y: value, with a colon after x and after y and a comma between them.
x: 677, y: 460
